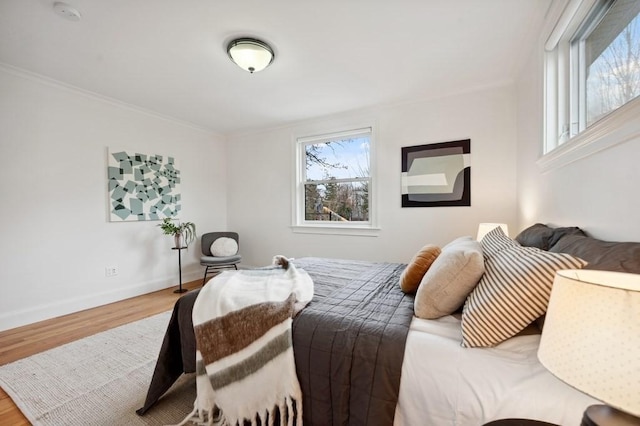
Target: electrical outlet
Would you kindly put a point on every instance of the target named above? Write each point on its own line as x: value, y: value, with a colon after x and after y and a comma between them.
x: 111, y: 271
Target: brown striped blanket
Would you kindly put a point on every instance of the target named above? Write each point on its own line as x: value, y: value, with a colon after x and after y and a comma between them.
x: 245, y: 370
x: 348, y: 343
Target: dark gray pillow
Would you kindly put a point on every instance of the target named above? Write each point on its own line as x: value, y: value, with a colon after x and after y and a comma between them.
x: 544, y: 237
x: 606, y: 255
x: 558, y: 233
x: 537, y: 235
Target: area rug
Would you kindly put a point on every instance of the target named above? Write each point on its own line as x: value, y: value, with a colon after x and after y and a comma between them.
x: 98, y: 380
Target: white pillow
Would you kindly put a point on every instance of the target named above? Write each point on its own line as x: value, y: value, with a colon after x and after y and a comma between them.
x: 223, y: 247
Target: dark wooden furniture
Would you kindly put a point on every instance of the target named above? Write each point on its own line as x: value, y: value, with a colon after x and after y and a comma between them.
x: 594, y: 415
x: 603, y: 415
x: 518, y: 422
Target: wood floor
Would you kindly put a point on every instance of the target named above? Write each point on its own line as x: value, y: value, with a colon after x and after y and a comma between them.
x: 25, y: 341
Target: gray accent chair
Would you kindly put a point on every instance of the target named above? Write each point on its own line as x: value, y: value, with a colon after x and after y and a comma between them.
x: 214, y: 264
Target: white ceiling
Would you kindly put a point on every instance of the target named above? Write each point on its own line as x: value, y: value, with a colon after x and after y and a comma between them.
x: 331, y: 56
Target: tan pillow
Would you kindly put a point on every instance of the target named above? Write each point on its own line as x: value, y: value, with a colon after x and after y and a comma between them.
x: 415, y: 270
x: 453, y: 275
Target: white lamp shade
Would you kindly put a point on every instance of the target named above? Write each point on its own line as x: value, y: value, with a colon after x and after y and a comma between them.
x: 485, y: 228
x: 250, y: 54
x: 591, y: 335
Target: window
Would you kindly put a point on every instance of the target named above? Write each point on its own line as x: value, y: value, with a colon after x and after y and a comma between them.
x: 334, y: 181
x: 608, y: 55
x: 592, y: 69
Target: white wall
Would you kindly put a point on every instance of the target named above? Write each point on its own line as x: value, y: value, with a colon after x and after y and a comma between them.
x: 260, y: 167
x: 56, y: 237
x: 599, y: 193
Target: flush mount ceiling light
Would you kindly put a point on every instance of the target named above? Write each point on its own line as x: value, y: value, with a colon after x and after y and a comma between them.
x: 250, y: 54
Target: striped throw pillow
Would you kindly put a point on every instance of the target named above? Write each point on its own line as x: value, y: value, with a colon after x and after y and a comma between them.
x: 512, y: 293
x: 496, y: 240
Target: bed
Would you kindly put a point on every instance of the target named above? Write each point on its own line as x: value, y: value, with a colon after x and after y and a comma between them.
x: 362, y: 357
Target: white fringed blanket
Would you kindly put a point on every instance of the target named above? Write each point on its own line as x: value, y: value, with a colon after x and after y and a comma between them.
x: 245, y: 363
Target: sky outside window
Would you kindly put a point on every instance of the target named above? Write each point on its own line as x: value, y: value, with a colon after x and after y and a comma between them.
x: 342, y: 159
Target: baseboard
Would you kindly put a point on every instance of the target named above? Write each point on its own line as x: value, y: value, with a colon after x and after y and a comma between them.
x: 20, y: 317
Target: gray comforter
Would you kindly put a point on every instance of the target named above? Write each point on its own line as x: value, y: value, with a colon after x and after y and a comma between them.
x: 348, y: 343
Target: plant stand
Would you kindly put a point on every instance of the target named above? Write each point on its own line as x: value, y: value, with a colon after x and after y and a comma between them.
x: 180, y: 289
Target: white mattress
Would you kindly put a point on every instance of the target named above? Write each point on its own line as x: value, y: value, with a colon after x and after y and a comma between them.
x: 445, y: 384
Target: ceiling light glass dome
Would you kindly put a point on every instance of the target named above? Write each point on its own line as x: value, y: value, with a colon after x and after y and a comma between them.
x: 250, y: 54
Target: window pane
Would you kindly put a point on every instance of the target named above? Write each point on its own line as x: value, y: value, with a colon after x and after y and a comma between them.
x: 339, y: 159
x: 613, y: 60
x: 339, y: 201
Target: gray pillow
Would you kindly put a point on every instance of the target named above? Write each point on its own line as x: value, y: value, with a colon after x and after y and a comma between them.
x: 607, y: 255
x: 537, y: 235
x: 544, y: 237
x: 450, y: 279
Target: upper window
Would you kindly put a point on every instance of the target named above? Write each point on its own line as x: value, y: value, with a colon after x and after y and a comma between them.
x: 334, y: 184
x: 607, y: 50
x: 592, y: 66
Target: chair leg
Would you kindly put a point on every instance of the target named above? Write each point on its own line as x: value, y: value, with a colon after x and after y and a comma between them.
x: 216, y: 270
x: 204, y: 279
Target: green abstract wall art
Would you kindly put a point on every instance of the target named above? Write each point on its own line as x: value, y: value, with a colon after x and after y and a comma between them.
x: 142, y: 186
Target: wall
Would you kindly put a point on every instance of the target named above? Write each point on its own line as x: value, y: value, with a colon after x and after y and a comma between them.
x: 598, y: 193
x: 56, y: 237
x: 260, y: 200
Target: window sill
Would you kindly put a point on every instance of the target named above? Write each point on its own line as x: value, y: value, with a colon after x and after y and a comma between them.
x: 363, y: 231
x: 618, y: 127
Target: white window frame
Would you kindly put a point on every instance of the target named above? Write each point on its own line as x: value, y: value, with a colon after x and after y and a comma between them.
x: 300, y: 224
x: 564, y: 140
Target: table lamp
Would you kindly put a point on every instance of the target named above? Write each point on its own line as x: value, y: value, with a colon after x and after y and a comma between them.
x: 591, y: 341
x: 485, y: 228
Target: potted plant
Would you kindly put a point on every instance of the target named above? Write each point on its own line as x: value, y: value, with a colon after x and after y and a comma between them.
x: 182, y: 232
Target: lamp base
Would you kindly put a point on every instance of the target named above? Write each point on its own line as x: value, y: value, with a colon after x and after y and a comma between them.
x: 603, y: 415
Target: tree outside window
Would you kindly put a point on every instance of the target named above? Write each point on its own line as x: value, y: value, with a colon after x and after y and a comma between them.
x: 613, y: 70
x: 337, y: 178
x: 592, y: 70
